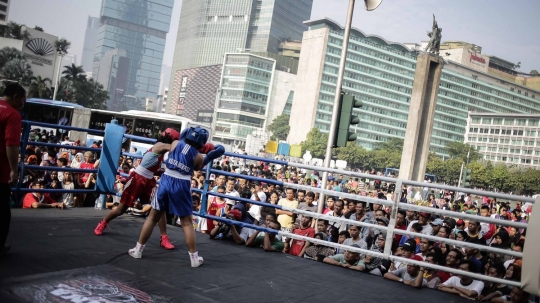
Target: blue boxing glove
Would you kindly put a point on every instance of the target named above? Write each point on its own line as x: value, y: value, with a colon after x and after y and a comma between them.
x: 218, y: 151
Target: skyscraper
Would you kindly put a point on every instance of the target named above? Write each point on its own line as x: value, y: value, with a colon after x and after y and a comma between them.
x: 209, y: 29
x: 138, y: 27
x: 4, y: 10
x: 90, y: 40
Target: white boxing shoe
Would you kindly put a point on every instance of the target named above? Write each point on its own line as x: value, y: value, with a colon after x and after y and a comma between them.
x: 137, y: 254
x: 197, y: 262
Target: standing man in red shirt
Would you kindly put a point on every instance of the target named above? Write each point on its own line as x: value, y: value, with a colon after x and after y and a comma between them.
x: 10, y: 136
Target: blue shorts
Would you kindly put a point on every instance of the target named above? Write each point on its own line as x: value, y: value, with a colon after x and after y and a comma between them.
x: 174, y: 196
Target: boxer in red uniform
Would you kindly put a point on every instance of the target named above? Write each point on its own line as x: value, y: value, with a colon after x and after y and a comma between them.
x: 141, y: 185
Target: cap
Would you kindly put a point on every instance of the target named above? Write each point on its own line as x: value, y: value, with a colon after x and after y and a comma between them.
x: 409, y: 245
x: 450, y: 222
x: 437, y: 221
x: 384, y: 220
x: 425, y: 215
x: 230, y: 202
x: 235, y: 213
x: 460, y: 222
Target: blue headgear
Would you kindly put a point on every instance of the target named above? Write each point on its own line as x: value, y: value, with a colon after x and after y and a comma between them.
x: 197, y: 135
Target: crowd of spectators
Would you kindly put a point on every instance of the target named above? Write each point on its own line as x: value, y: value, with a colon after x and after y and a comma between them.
x: 415, y: 248
x: 331, y: 230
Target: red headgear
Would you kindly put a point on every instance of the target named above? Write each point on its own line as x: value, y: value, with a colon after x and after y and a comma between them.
x: 175, y: 135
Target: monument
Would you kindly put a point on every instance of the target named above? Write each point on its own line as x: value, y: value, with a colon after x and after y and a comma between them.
x: 422, y: 109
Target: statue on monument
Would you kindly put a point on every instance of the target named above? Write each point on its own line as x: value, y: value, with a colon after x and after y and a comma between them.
x: 435, y: 38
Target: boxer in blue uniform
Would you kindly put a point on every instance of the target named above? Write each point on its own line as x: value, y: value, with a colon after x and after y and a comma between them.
x: 174, y: 193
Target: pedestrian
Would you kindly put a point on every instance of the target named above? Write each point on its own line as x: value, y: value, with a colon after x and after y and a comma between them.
x: 11, y: 104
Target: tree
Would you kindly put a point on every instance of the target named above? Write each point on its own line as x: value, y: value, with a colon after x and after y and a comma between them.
x: 459, y: 150
x: 62, y: 46
x: 391, y: 145
x: 280, y: 127
x: 15, y: 31
x: 39, y: 88
x: 534, y: 73
x: 499, y: 176
x: 74, y: 73
x: 353, y: 154
x: 9, y: 53
x: 17, y: 70
x: 315, y: 143
x: 38, y: 28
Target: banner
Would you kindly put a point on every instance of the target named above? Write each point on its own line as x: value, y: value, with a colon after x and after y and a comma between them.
x: 271, y: 147
x: 296, y: 151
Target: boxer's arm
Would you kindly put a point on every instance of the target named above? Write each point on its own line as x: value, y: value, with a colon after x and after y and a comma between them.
x: 161, y: 148
x: 198, y: 163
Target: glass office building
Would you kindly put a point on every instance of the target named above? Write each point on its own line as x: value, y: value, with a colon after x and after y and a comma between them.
x: 381, y: 74
x: 209, y: 29
x: 242, y: 104
x: 139, y: 27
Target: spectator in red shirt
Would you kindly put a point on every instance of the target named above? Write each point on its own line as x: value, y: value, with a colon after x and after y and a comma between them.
x: 40, y: 200
x: 298, y: 247
x: 10, y: 137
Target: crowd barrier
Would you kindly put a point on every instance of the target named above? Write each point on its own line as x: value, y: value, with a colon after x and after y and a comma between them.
x: 530, y: 275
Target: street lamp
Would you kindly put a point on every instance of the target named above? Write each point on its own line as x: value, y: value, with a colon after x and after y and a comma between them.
x: 369, y: 5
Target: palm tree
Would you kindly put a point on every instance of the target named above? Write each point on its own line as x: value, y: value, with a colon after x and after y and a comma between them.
x: 39, y: 88
x: 17, y: 70
x: 62, y: 46
x: 74, y: 73
x: 9, y: 53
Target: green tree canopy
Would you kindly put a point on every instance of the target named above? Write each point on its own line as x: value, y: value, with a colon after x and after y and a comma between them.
x: 62, y: 46
x: 390, y: 145
x: 280, y: 127
x: 38, y: 28
x: 459, y: 150
x: 15, y: 31
x: 316, y: 143
x: 534, y: 73
x: 39, y: 88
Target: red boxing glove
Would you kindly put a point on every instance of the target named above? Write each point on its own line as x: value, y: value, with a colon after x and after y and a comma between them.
x: 208, y: 147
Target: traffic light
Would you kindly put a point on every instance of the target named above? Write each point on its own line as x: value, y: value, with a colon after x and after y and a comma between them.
x: 466, y: 177
x: 346, y: 119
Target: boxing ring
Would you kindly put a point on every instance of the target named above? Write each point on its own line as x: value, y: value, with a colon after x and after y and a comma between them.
x: 107, y: 171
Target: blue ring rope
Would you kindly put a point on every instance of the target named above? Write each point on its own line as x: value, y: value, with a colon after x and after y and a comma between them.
x: 256, y: 158
x: 64, y: 146
x: 239, y: 223
x: 225, y: 173
x: 56, y: 126
x: 150, y: 140
x: 244, y: 200
x: 56, y: 168
x: 132, y: 155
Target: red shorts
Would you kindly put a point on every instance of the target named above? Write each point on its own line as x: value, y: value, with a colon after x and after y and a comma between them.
x: 137, y: 187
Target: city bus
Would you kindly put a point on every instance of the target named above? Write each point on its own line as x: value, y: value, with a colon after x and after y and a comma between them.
x: 137, y: 123
x: 389, y: 171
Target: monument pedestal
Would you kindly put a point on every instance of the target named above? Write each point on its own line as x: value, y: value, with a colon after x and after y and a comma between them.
x: 421, y: 115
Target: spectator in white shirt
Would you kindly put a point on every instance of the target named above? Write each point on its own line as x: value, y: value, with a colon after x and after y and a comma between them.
x: 463, y: 285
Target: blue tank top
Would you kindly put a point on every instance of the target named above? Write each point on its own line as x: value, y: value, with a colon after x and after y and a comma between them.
x: 182, y: 158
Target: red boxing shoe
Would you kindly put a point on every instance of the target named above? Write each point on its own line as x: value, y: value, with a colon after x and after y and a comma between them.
x: 165, y: 243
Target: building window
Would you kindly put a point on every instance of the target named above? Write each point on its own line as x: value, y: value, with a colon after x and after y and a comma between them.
x: 530, y: 133
x: 486, y: 120
x: 521, y: 122
x: 533, y: 122
x: 475, y: 120
x: 508, y: 121
x: 497, y: 121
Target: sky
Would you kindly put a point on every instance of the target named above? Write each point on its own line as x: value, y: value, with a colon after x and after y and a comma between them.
x: 507, y: 29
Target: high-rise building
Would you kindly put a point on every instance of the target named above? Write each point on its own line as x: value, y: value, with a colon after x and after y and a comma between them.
x: 138, y: 27
x: 242, y: 107
x: 4, y: 10
x: 209, y: 29
x: 90, y: 40
x: 506, y: 138
x: 381, y: 74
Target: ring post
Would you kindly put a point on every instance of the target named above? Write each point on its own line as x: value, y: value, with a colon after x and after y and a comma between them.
x: 393, y: 217
x: 24, y: 143
x: 112, y: 147
x: 204, y: 200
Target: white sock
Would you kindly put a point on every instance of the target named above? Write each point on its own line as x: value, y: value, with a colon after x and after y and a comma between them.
x: 139, y: 247
x: 194, y: 256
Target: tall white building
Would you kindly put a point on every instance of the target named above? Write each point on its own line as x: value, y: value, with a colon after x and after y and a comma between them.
x: 507, y: 138
x: 90, y: 42
x: 4, y: 10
